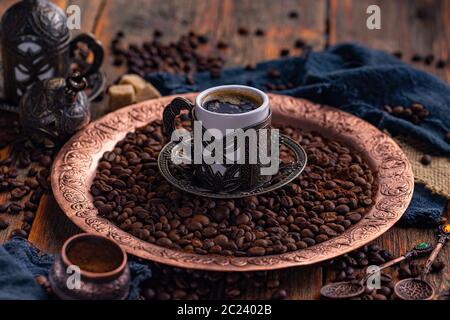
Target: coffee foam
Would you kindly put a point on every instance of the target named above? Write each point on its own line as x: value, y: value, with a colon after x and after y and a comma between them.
x: 234, y: 97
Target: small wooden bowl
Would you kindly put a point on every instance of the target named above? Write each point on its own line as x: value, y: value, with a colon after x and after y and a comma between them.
x: 90, y: 267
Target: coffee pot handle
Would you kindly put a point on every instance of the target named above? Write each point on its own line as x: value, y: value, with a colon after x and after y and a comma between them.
x: 172, y: 110
x: 94, y: 46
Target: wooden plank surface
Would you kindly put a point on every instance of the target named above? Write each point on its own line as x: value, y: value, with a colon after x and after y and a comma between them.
x: 411, y: 27
x: 319, y: 22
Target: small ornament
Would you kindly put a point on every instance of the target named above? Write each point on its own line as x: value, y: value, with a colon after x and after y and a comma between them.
x: 55, y: 108
x: 36, y: 45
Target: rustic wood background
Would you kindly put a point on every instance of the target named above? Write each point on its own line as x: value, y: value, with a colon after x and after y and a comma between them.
x: 410, y: 26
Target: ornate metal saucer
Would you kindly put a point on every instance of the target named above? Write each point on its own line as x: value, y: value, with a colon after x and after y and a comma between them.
x: 180, y: 178
x: 75, y: 167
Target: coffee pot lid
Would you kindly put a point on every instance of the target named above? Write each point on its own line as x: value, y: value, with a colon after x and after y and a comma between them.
x: 31, y: 18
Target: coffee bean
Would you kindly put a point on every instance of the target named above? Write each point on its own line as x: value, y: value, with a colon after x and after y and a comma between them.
x: 428, y: 59
x: 273, y: 73
x: 284, y: 52
x: 18, y: 193
x: 221, y: 213
x: 19, y: 233
x: 165, y: 242
x: 300, y: 43
x: 437, y: 266
x: 426, y: 160
x: 447, y: 137
x: 157, y: 33
x: 185, y: 212
x: 397, y: 54
x: 242, y: 31
x: 293, y: 15
x: 4, y: 207
x: 329, y: 185
x: 15, y: 207
x: 354, y: 217
x: 398, y: 110
x: 416, y: 58
x: 257, y: 251
x: 280, y: 294
x: 342, y: 209
x: 3, y: 223
x: 441, y: 64
x: 46, y: 161
x: 260, y: 33
x: 28, y: 216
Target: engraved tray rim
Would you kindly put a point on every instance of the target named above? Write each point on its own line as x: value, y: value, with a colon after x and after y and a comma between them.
x: 75, y: 165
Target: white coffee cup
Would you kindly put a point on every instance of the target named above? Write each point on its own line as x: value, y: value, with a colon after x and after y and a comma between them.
x: 219, y: 125
x: 223, y: 121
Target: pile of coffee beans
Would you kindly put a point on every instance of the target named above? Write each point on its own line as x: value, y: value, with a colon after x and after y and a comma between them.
x: 416, y: 113
x: 183, y: 56
x: 175, y: 283
x: 186, y: 56
x: 332, y: 194
x: 169, y: 283
x: 24, y: 177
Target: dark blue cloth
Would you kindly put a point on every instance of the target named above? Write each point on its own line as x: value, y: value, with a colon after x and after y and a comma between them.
x: 20, y: 263
x: 357, y: 80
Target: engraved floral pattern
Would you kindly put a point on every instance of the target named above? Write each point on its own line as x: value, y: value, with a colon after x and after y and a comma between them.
x: 76, y: 164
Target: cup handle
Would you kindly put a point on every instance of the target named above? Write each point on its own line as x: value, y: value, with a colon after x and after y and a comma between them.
x: 172, y: 110
x: 94, y: 46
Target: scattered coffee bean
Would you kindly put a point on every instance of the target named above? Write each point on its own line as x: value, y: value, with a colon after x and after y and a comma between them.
x: 447, y: 137
x: 398, y: 54
x: 243, y: 31
x: 428, y: 59
x: 300, y: 44
x: 415, y: 114
x: 3, y: 223
x: 437, y: 266
x: 157, y: 33
x: 280, y: 294
x: 19, y: 233
x: 416, y: 58
x: 222, y: 45
x: 273, y: 73
x: 260, y: 33
x: 441, y: 64
x: 293, y: 15
x: 284, y: 52
x: 180, y: 57
x: 426, y: 160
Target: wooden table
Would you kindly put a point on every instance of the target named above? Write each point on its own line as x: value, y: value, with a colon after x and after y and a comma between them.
x: 421, y: 27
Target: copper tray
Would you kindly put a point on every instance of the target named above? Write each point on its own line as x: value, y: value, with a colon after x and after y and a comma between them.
x: 75, y: 166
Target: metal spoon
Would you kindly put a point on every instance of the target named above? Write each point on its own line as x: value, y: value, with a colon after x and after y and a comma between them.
x: 351, y: 289
x: 418, y: 288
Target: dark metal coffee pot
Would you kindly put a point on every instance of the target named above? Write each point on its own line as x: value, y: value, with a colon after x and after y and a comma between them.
x: 36, y: 46
x: 55, y: 109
